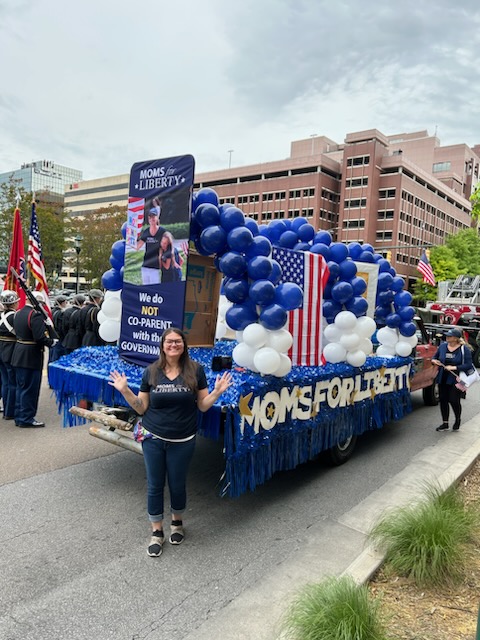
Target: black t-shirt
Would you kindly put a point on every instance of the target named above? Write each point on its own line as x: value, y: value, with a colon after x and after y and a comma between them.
x: 152, y: 247
x: 172, y: 410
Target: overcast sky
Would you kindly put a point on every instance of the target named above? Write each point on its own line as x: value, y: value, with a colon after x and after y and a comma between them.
x: 100, y: 84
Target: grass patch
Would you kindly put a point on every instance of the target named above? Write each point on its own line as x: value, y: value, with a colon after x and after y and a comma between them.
x: 335, y: 609
x: 427, y: 541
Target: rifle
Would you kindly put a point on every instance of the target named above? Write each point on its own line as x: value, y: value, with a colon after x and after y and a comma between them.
x: 36, y: 304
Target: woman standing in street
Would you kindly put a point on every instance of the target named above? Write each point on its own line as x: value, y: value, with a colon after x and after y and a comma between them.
x: 452, y: 357
x: 172, y: 390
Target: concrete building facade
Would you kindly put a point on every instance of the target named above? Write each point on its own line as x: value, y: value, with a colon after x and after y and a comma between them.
x: 43, y: 175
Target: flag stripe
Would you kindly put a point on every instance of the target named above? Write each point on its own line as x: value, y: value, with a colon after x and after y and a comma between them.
x: 35, y: 260
x: 425, y: 268
x: 17, y: 259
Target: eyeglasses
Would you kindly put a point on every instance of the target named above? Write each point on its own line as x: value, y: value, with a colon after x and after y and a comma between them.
x: 176, y: 342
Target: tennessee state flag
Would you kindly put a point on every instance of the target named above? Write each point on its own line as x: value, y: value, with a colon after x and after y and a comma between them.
x: 17, y: 259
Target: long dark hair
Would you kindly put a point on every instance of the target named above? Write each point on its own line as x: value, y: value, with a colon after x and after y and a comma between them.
x: 188, y: 368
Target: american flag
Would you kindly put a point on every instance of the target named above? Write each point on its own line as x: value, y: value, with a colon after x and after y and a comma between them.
x: 310, y: 272
x: 35, y: 259
x: 426, y: 270
x: 136, y: 218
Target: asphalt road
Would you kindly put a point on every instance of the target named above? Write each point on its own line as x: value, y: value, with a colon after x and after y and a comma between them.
x: 73, y: 530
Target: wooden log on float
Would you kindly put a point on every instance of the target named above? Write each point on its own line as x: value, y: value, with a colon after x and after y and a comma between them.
x: 102, y: 418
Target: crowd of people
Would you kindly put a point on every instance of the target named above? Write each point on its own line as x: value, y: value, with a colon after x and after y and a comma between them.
x: 24, y: 334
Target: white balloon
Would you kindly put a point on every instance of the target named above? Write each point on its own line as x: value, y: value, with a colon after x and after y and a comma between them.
x: 223, y: 307
x: 366, y: 327
x: 112, y: 308
x: 346, y: 320
x: 109, y: 330
x: 221, y: 330
x: 411, y: 340
x: 366, y: 346
x: 350, y: 341
x: 280, y: 340
x: 255, y: 335
x: 267, y: 360
x: 387, y: 336
x: 403, y: 349
x: 356, y: 358
x: 239, y: 336
x: 334, y: 353
x: 332, y: 333
x: 101, y: 317
x: 285, y: 366
x: 113, y: 294
x: 243, y: 355
x: 385, y: 351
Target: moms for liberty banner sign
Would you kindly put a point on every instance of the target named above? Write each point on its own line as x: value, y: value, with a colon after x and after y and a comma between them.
x: 156, y: 254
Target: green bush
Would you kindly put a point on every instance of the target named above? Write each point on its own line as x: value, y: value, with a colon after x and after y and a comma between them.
x: 335, y: 609
x: 426, y: 541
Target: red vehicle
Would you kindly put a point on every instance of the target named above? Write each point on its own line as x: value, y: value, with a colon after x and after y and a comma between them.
x: 425, y: 371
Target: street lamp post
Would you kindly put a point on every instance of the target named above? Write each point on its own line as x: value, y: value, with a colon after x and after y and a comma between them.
x: 78, y: 247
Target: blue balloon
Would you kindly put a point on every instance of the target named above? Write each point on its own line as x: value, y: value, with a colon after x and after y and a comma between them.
x: 273, y: 317
x: 252, y: 225
x: 214, y: 239
x: 406, y: 313
x: 358, y: 305
x: 289, y: 295
x: 384, y: 281
x: 342, y: 291
x: 276, y: 228
x: 233, y: 264
x: 324, y: 237
x: 287, y: 223
x: 306, y: 232
x: 368, y: 247
x: 264, y: 231
x: 112, y: 280
x: 366, y: 256
x: 359, y: 285
x: 116, y: 264
x: 118, y: 251
x: 260, y: 246
x: 226, y: 205
x: 327, y: 290
x: 262, y: 292
x: 381, y: 313
x: 398, y: 284
x: 123, y: 230
x: 199, y: 247
x: 393, y: 320
x: 402, y: 299
x: 194, y: 202
x: 259, y: 267
x: 195, y: 229
x: 239, y: 239
x: 288, y: 239
x: 298, y: 222
x: 301, y: 246
x: 236, y: 290
x: 231, y: 218
x: 206, y: 215
x: 408, y: 329
x: 322, y: 250
x: 383, y: 265
x: 277, y: 272
x: 385, y: 297
x: 206, y: 195
x: 334, y: 270
x: 239, y: 316
x: 347, y: 269
x: 393, y: 273
x: 377, y: 257
x: 354, y: 250
x: 330, y: 310
x: 338, y: 252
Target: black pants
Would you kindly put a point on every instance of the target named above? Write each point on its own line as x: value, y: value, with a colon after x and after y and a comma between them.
x: 450, y: 396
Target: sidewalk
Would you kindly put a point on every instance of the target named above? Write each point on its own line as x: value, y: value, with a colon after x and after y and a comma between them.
x: 341, y: 546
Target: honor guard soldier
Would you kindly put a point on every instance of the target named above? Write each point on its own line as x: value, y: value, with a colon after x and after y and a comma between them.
x: 33, y: 335
x: 72, y: 324
x: 91, y: 337
x: 9, y: 300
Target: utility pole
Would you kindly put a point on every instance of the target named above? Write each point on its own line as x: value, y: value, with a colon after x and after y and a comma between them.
x: 230, y: 151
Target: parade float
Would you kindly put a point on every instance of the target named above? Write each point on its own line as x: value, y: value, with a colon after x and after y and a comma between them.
x: 291, y: 312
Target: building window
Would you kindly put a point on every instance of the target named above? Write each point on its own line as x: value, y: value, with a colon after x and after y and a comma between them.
x: 355, y: 204
x: 384, y: 235
x: 441, y: 166
x: 357, y: 182
x: 388, y: 214
x: 386, y: 193
x: 296, y: 193
x: 354, y: 224
x: 358, y: 161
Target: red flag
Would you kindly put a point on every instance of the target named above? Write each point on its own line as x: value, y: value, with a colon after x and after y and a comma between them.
x: 17, y: 259
x: 35, y: 259
x: 310, y: 272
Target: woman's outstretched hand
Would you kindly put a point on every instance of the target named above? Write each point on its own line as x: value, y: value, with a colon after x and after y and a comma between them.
x: 119, y: 381
x: 222, y: 382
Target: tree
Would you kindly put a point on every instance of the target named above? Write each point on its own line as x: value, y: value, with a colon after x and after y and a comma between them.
x: 8, y: 200
x: 99, y: 229
x: 475, y: 200
x: 444, y: 266
x: 465, y: 246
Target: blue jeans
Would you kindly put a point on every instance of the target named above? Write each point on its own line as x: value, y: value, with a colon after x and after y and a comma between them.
x: 28, y: 391
x: 170, y: 461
